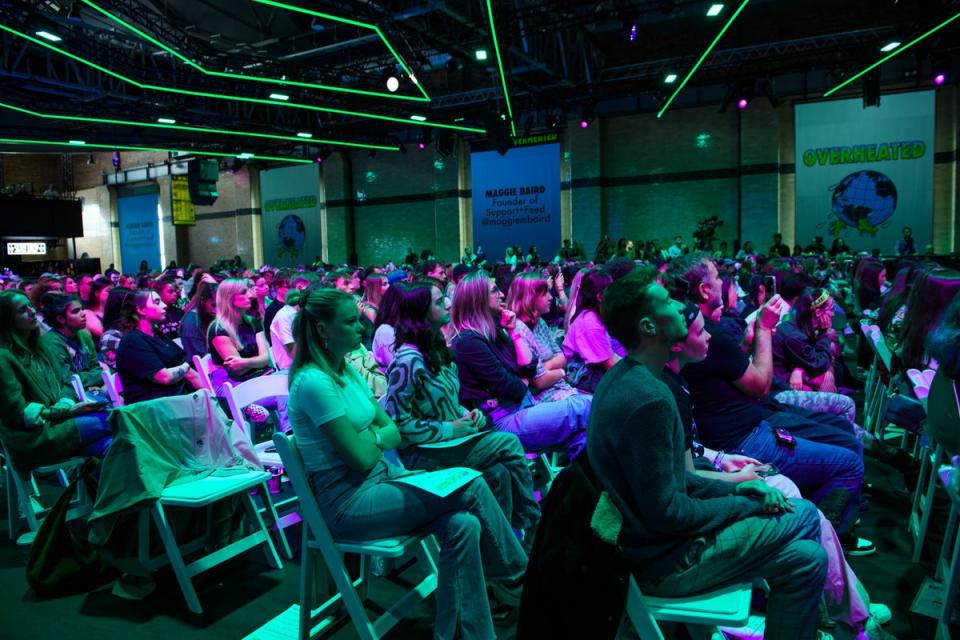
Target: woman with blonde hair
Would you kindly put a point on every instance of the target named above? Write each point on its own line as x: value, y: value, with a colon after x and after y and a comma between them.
x: 495, y: 366
x: 530, y: 299
x: 237, y: 346
x: 342, y: 433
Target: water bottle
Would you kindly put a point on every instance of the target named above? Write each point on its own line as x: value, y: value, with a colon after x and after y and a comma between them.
x: 274, y: 482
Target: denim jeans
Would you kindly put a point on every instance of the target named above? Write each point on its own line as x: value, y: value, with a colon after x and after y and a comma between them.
x: 820, y: 402
x: 783, y: 549
x: 819, y: 470
x: 548, y: 425
x: 476, y: 544
x: 95, y: 436
x: 499, y: 456
x: 825, y: 428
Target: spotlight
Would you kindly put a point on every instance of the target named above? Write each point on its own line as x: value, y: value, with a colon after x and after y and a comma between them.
x: 424, y: 140
x: 939, y: 79
x: 481, y: 54
x: 633, y: 33
x: 116, y: 160
x: 392, y: 84
x: 586, y: 119
x: 742, y: 104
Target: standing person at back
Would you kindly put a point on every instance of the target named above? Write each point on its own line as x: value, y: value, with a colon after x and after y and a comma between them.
x: 684, y: 534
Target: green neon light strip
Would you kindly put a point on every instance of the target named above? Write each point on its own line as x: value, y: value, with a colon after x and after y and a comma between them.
x: 180, y: 127
x: 702, y: 58
x: 114, y: 147
x: 895, y: 52
x: 503, y: 77
x: 293, y: 83
x: 219, y: 96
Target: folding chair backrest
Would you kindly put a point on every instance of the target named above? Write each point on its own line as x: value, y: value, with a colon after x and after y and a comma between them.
x: 246, y: 393
x: 203, y: 366
x: 111, y: 382
x: 309, y: 509
x: 78, y: 389
x: 921, y: 387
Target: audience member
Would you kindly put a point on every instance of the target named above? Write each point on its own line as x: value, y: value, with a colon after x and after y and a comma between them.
x: 68, y: 342
x: 201, y: 312
x: 237, y: 346
x: 95, y: 305
x: 587, y: 345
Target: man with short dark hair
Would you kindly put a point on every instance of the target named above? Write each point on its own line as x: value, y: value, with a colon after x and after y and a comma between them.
x: 682, y: 533
x: 779, y: 248
x: 905, y: 245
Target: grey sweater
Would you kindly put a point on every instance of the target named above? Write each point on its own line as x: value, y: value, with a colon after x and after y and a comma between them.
x: 636, y: 446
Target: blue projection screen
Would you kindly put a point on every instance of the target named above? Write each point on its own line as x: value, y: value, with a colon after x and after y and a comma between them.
x: 516, y: 200
x: 139, y: 232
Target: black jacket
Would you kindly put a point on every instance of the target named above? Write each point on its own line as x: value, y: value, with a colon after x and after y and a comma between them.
x: 576, y: 584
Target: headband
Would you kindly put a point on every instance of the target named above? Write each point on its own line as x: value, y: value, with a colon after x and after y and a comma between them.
x: 690, y: 312
x: 819, y: 302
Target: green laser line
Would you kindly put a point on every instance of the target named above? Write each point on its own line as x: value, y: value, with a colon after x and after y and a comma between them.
x: 362, y: 25
x: 178, y: 127
x: 703, y: 57
x: 503, y: 77
x: 202, y: 94
x: 895, y: 52
x: 114, y: 147
x: 236, y: 76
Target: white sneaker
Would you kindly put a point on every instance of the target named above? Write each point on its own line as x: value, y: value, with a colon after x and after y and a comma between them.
x: 880, y: 613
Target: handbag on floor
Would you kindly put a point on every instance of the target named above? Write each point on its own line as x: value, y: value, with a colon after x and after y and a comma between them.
x: 60, y: 562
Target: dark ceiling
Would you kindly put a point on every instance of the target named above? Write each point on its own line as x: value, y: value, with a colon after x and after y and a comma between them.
x: 560, y: 58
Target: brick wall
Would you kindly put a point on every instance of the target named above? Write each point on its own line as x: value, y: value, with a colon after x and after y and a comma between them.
x: 36, y: 169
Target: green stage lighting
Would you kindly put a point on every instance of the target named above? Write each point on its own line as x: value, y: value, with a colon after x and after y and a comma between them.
x: 114, y: 147
x: 896, y: 51
x: 702, y: 58
x: 162, y: 124
x: 219, y: 96
x: 293, y: 83
x: 503, y: 77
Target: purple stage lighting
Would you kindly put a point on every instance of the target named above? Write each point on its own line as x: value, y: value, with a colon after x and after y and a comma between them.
x: 743, y: 103
x: 584, y: 124
x: 939, y: 79
x: 633, y: 33
x: 421, y: 145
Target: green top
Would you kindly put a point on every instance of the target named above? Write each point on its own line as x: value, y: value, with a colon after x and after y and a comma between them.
x: 78, y: 355
x: 33, y: 380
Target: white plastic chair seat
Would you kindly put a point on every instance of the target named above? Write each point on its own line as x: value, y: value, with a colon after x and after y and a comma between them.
x: 268, y: 458
x: 384, y: 547
x: 728, y: 605
x: 209, y: 489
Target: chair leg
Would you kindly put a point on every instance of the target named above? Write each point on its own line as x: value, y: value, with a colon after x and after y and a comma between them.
x: 275, y: 523
x: 647, y: 628
x: 253, y: 514
x: 306, y: 586
x: 13, y: 501
x: 176, y: 560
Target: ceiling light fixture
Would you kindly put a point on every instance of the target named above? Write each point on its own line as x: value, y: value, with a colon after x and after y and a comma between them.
x: 279, y: 96
x: 702, y: 58
x: 480, y: 54
x: 939, y: 79
x: 306, y: 85
x: 893, y: 53
x: 166, y: 121
x: 392, y: 84
x: 671, y: 78
x: 46, y: 35
x: 715, y: 10
x: 418, y: 118
x: 205, y: 94
x: 503, y: 77
x: 890, y: 46
x: 114, y: 147
x: 151, y: 125
x: 304, y: 134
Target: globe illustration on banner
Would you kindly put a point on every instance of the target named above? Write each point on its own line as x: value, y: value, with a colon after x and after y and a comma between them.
x: 293, y: 233
x: 864, y: 200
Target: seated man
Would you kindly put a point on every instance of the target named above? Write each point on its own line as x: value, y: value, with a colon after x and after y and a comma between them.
x: 820, y: 452
x: 685, y: 534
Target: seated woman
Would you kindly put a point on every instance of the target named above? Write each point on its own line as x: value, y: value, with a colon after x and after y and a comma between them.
x: 39, y: 423
x: 342, y: 433
x: 200, y: 314
x: 495, y: 367
x: 95, y: 305
x: 805, y: 346
x: 529, y: 299
x: 69, y: 342
x: 114, y: 326
x: 943, y: 403
x: 846, y: 599
x: 169, y: 290
x: 926, y: 305
x: 384, y: 336
x: 237, y: 347
x: 374, y: 286
x: 587, y: 346
x: 423, y: 400
x: 150, y: 366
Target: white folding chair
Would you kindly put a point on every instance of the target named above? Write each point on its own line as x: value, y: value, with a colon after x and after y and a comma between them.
x: 111, y: 382
x: 178, y: 342
x: 701, y: 613
x: 200, y: 494
x: 350, y: 593
x: 921, y: 386
x: 203, y: 366
x: 22, y: 491
x: 238, y: 398
x: 922, y: 507
x: 78, y: 389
